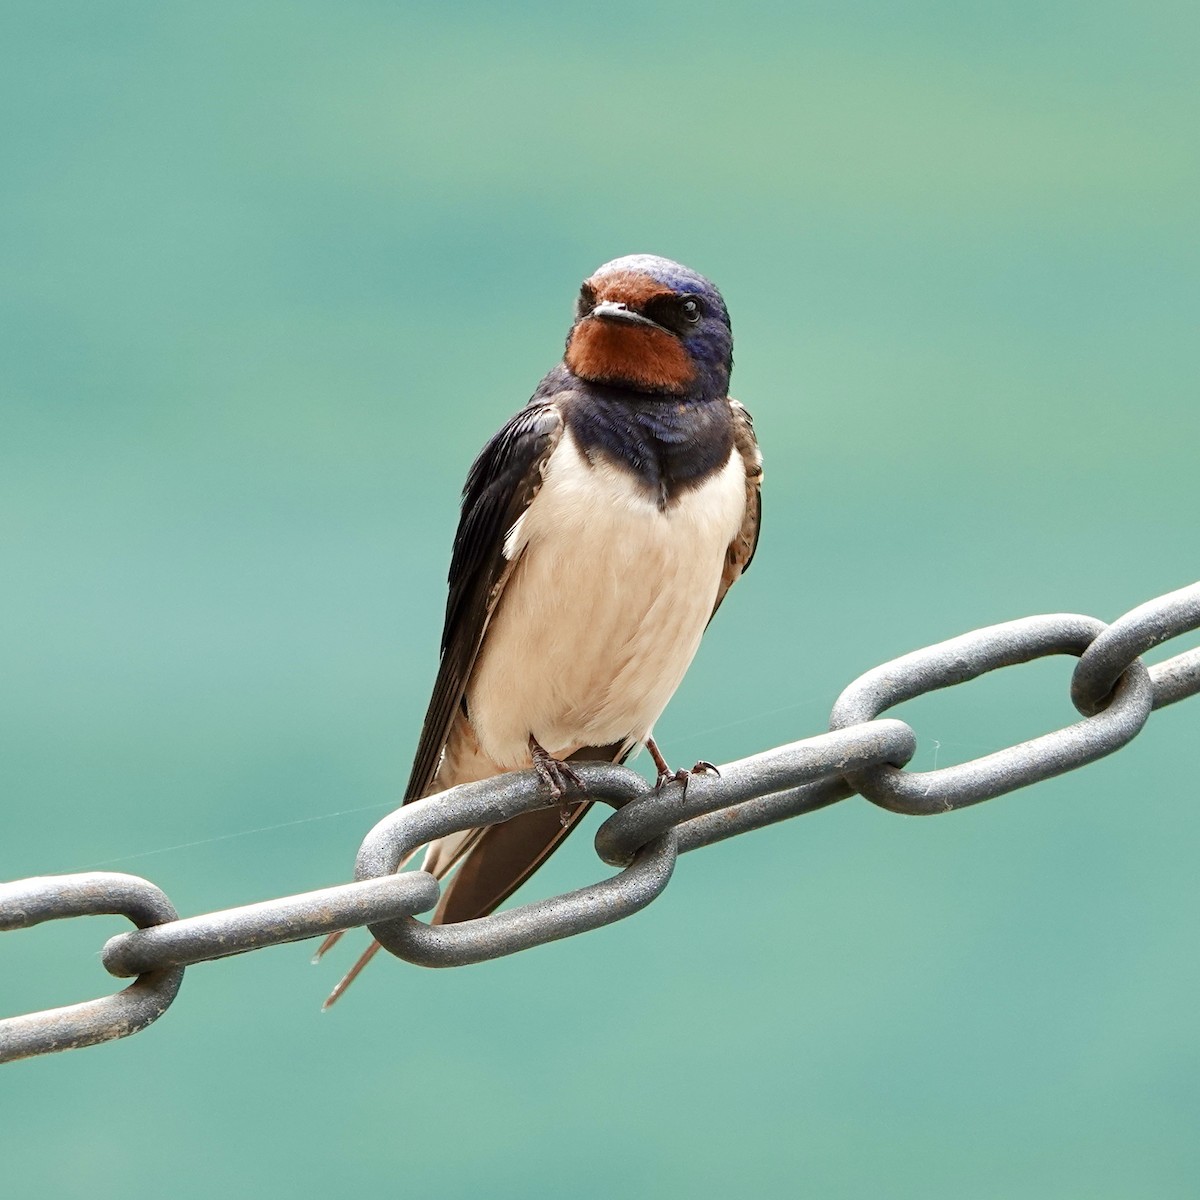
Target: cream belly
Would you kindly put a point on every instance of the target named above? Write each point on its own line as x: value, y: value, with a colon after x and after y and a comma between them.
x: 604, y: 610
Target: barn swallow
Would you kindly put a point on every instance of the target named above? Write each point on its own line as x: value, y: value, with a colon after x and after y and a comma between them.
x: 600, y: 530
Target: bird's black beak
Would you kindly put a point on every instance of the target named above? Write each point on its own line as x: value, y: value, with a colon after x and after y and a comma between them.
x: 612, y: 310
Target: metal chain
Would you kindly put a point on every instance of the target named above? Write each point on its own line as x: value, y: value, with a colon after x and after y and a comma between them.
x: 863, y: 753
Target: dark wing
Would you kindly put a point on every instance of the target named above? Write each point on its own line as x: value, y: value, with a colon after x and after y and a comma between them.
x: 502, y: 481
x: 741, y: 549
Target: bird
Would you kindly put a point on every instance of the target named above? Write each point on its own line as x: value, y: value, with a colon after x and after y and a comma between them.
x: 600, y: 530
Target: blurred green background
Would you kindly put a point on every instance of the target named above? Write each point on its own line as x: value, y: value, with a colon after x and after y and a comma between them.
x: 271, y: 273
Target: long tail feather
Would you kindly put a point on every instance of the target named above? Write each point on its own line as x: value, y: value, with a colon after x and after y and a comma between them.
x: 327, y: 945
x: 351, y: 975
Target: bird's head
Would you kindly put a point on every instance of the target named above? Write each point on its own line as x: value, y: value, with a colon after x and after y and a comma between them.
x: 651, y: 325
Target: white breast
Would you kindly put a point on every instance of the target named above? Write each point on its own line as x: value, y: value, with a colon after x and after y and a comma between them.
x: 604, y: 610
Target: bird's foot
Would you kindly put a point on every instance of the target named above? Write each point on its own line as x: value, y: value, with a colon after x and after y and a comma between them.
x: 558, y: 777
x: 666, y: 775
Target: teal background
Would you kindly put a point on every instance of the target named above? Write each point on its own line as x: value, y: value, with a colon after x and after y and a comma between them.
x: 271, y: 273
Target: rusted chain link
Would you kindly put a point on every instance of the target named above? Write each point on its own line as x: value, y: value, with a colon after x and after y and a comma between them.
x: 862, y: 753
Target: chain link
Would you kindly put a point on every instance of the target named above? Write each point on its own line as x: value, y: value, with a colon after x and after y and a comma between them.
x: 55, y: 897
x: 967, y: 657
x: 863, y: 753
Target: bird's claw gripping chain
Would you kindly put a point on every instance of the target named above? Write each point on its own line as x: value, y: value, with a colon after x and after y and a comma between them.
x: 864, y: 753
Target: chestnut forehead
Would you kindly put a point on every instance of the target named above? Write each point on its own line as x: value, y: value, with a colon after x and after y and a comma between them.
x: 634, y: 288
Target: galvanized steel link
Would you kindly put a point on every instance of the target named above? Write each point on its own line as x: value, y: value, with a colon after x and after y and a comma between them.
x: 97, y: 893
x: 270, y: 923
x: 485, y: 803
x: 778, y: 775
x: 861, y: 753
x: 967, y: 657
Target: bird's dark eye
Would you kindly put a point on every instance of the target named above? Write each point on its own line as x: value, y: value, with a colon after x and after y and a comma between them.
x: 676, y: 313
x: 586, y: 301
